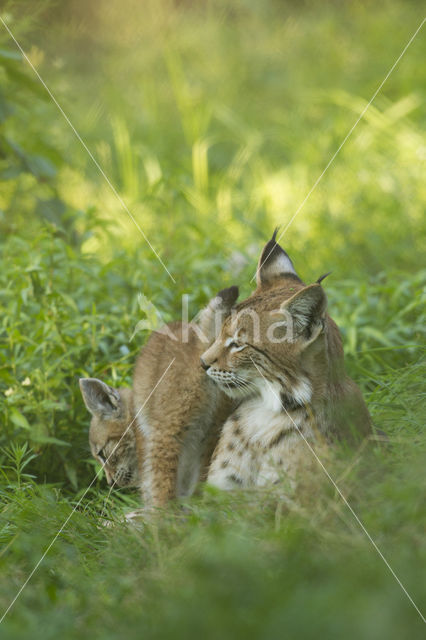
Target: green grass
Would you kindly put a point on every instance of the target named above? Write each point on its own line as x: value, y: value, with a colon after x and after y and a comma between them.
x: 213, y: 121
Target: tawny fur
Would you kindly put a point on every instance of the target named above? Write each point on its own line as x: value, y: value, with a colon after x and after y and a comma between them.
x: 114, y: 438
x: 295, y: 386
x: 182, y: 418
x: 160, y: 435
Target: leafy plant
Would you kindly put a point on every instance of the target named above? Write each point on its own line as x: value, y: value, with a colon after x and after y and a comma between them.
x: 17, y: 457
x: 213, y: 121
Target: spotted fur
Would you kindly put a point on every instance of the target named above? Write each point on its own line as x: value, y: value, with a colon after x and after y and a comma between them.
x: 281, y: 356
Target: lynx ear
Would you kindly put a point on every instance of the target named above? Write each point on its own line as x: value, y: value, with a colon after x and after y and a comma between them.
x: 273, y: 262
x: 307, y: 309
x: 99, y: 398
x: 226, y: 298
x: 211, y: 318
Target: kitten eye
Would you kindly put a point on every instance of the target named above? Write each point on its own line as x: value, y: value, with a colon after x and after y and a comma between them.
x: 233, y: 345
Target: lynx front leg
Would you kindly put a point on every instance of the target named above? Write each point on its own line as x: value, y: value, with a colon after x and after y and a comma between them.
x: 210, y: 444
x: 160, y: 468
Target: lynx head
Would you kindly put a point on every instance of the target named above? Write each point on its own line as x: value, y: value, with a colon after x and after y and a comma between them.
x: 276, y: 334
x: 112, y: 440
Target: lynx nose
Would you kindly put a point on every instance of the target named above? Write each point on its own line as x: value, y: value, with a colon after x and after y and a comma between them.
x: 204, y: 364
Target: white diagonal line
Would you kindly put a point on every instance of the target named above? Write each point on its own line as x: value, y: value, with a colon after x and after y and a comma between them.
x: 343, y: 498
x: 330, y: 162
x: 92, y: 157
x: 79, y: 502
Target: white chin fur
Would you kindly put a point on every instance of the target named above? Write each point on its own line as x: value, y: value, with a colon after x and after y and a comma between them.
x: 270, y: 392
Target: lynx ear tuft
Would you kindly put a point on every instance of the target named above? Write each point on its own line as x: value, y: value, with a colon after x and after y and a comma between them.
x: 228, y: 296
x: 323, y: 277
x: 273, y: 262
x: 99, y: 398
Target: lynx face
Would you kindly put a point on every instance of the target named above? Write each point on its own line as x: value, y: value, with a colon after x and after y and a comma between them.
x: 112, y: 435
x: 268, y: 335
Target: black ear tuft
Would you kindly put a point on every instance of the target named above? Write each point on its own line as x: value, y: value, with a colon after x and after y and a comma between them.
x: 229, y: 296
x: 273, y: 262
x: 323, y: 277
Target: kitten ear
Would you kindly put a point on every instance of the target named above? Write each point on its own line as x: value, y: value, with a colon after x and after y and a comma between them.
x: 99, y: 398
x: 273, y: 262
x: 226, y: 298
x: 211, y: 318
x: 307, y: 309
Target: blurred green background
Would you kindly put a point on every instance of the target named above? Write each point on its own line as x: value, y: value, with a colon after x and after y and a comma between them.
x: 212, y: 120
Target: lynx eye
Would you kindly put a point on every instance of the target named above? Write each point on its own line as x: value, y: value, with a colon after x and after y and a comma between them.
x: 234, y: 346
x: 101, y: 455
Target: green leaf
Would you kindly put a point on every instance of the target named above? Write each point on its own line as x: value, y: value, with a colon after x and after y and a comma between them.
x: 71, y: 474
x: 69, y: 300
x: 19, y: 419
x: 6, y: 109
x: 5, y: 54
x: 11, y: 172
x: 41, y: 439
x: 22, y: 79
x: 40, y: 167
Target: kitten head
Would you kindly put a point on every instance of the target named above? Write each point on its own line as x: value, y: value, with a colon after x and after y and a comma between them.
x: 112, y: 431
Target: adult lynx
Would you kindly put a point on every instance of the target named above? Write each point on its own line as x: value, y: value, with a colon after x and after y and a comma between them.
x: 280, y: 354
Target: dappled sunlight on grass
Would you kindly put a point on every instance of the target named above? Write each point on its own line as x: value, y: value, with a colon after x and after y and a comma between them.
x: 213, y: 121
